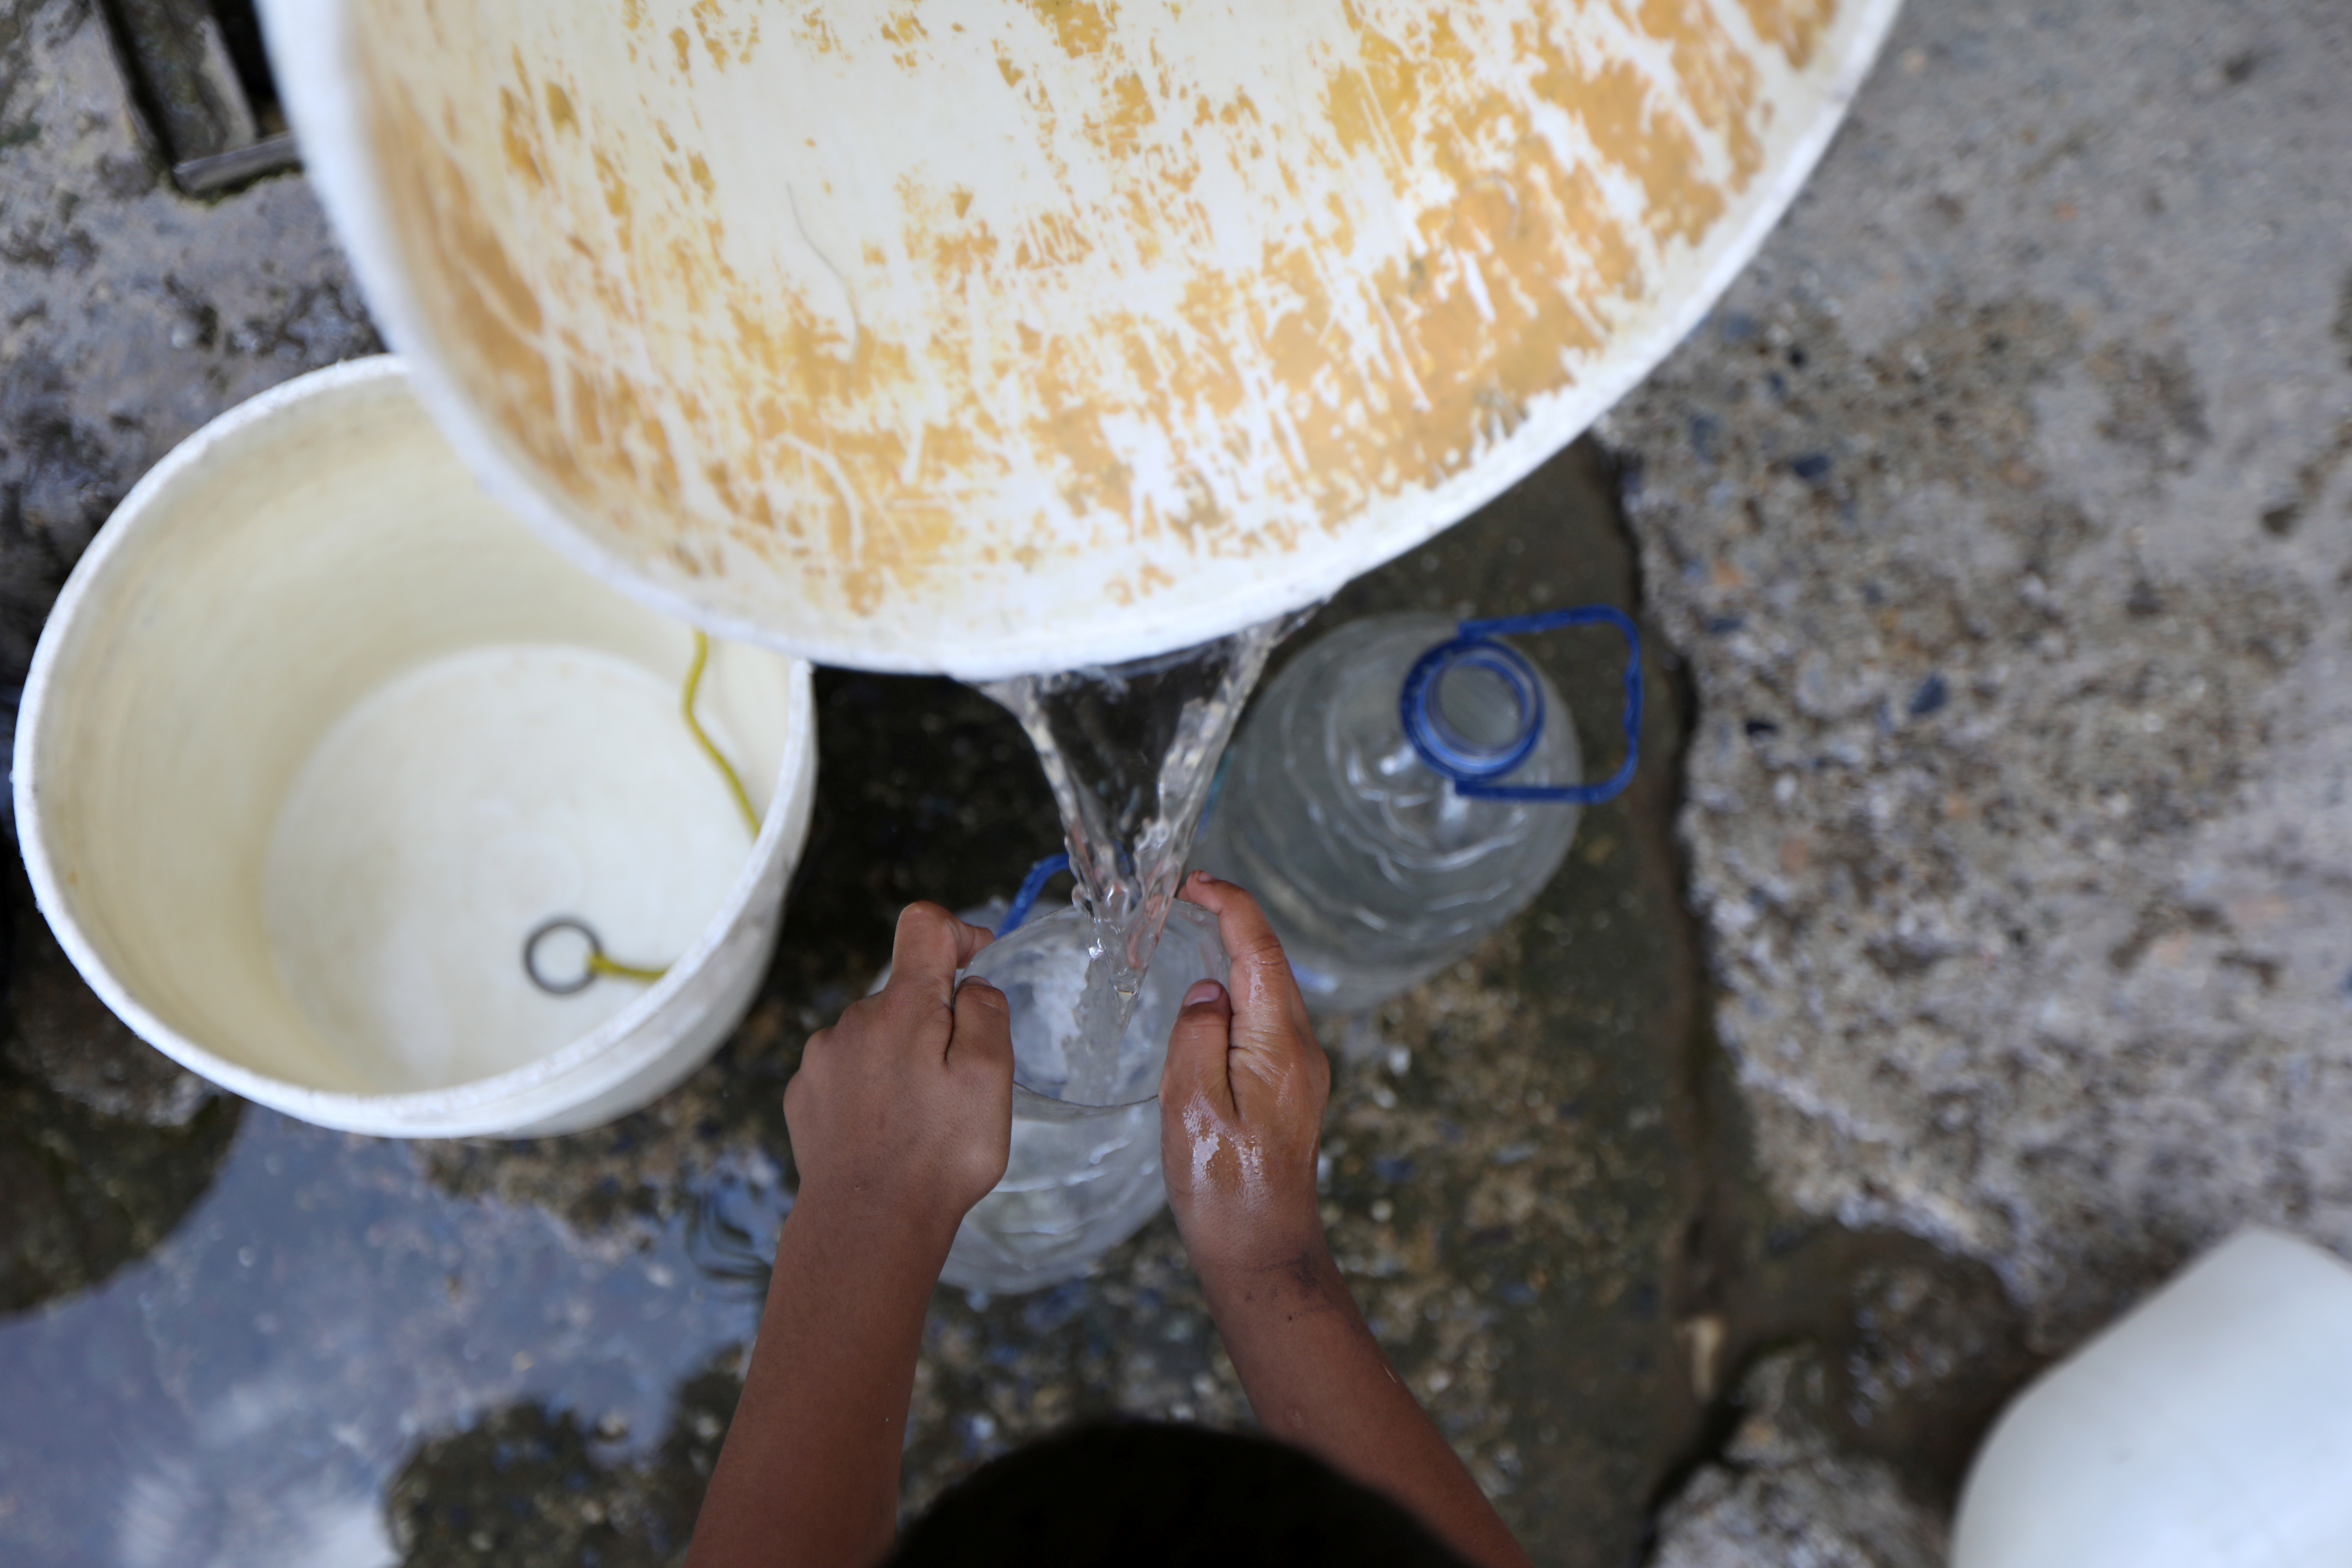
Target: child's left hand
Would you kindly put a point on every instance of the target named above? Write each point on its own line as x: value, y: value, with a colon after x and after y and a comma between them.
x: 903, y: 1111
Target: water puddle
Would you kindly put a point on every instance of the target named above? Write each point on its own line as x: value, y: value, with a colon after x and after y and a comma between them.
x: 332, y: 1362
x: 1130, y: 753
x: 250, y: 1393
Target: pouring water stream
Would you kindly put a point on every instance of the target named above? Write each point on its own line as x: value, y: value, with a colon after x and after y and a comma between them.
x: 1130, y: 753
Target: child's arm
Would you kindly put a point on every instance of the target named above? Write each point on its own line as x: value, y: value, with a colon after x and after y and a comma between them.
x: 1241, y: 1114
x: 901, y: 1118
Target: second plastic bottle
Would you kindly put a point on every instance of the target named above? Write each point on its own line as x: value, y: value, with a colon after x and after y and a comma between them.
x: 1375, y: 866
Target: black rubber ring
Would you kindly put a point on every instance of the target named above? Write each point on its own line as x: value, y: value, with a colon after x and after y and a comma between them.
x: 531, y: 956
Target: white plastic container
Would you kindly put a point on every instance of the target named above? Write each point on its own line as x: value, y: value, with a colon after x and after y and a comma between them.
x: 2210, y: 1427
x: 316, y: 734
x: 992, y: 338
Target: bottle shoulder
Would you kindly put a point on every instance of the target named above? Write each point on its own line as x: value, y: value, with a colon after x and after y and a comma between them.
x: 1326, y: 752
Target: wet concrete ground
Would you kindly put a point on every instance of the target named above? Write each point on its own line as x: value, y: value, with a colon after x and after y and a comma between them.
x: 527, y: 1351
x: 2003, y: 513
x: 2060, y: 299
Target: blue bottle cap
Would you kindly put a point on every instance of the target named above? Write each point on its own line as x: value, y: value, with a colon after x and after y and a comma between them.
x: 1475, y: 766
x: 1446, y: 748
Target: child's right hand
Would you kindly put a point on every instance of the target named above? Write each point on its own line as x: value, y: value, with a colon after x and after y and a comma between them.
x: 902, y: 1113
x: 1242, y: 1102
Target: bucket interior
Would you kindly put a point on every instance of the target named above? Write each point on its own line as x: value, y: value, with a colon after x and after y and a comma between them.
x: 992, y: 338
x: 330, y: 732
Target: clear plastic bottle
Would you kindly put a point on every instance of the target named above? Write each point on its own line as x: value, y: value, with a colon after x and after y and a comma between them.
x: 1085, y: 1173
x: 1364, y: 801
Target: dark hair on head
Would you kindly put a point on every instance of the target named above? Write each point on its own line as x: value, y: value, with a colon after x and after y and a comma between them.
x: 1139, y: 1494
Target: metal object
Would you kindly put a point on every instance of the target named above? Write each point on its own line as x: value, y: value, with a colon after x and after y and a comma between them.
x: 199, y: 88
x: 201, y: 176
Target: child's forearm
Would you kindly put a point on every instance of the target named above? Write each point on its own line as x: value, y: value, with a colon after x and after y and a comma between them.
x: 901, y: 1118
x: 809, y: 1474
x: 1241, y: 1109
x: 1316, y: 1377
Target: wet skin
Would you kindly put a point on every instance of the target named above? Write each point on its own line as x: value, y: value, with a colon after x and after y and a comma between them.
x: 901, y: 1120
x: 1241, y: 1118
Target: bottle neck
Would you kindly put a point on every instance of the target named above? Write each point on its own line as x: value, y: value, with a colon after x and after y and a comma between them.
x: 1472, y: 709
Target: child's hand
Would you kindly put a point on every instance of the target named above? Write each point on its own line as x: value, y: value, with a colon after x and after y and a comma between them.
x: 901, y: 1118
x: 903, y: 1111
x: 1242, y: 1102
x: 1241, y: 1113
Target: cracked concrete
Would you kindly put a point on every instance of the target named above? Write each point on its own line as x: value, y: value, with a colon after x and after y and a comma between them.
x: 2003, y: 514
x: 1780, y: 1492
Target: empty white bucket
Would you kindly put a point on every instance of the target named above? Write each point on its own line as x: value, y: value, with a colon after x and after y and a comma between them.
x: 318, y: 733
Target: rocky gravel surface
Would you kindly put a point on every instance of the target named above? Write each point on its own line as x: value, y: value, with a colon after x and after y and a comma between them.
x: 2003, y: 516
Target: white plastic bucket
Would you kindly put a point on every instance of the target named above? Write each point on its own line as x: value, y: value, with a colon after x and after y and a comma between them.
x: 2211, y: 1427
x: 318, y: 732
x: 992, y: 338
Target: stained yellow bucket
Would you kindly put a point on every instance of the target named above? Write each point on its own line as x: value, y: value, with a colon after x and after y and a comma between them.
x: 991, y: 336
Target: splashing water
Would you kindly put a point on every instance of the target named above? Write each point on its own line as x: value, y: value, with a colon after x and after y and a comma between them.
x: 1130, y: 752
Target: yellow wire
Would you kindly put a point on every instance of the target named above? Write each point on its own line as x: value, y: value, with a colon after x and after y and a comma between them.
x: 709, y: 748
x: 613, y: 968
